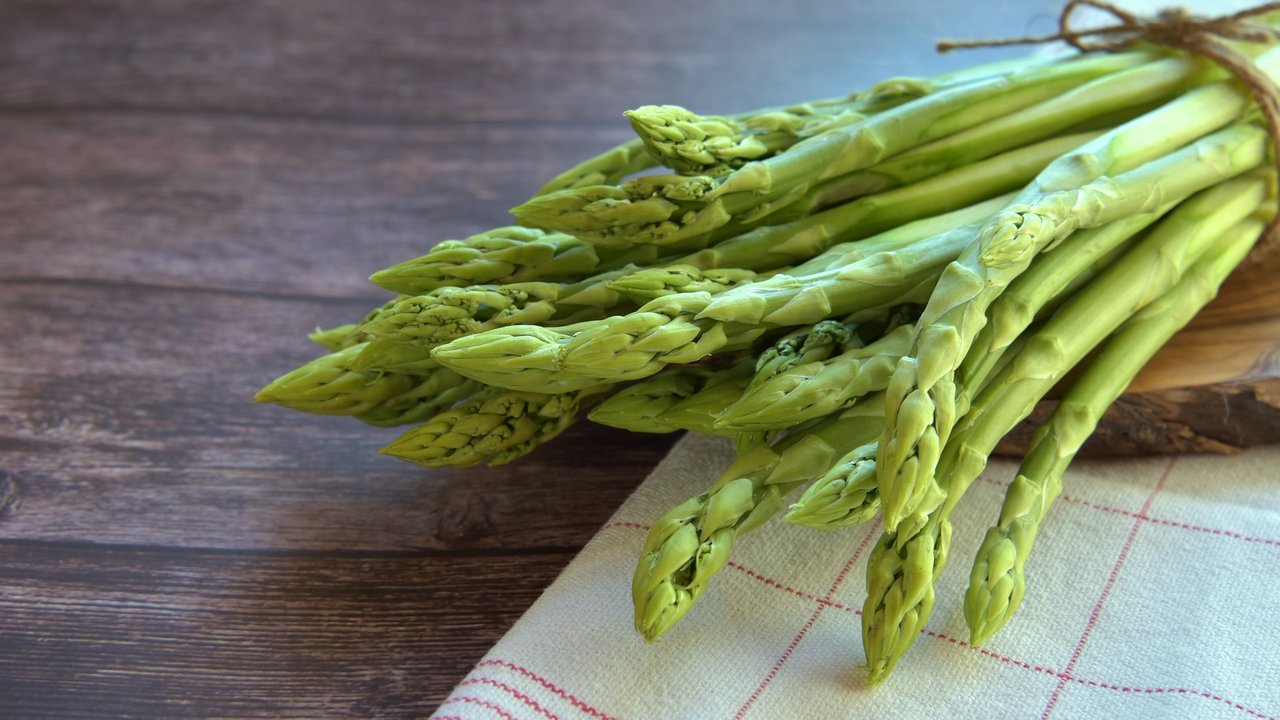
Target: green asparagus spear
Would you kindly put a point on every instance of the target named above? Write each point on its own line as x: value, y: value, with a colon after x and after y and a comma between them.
x: 686, y: 327
x: 330, y: 385
x: 771, y: 246
x: 633, y: 156
x: 636, y: 408
x: 695, y: 144
x: 405, y: 330
x: 1116, y: 97
x: 609, y: 166
x: 642, y: 407
x: 699, y: 411
x: 691, y: 543
x: 997, y: 582
x: 815, y: 247
x: 1050, y: 280
x: 494, y: 427
x: 452, y: 312
x: 648, y: 284
x: 337, y: 338
x: 439, y: 391
x: 799, y: 120
x: 1074, y: 192
x: 906, y: 561
x: 502, y: 255
x: 922, y: 393
x: 848, y: 495
x: 845, y: 496
x: 610, y: 215
x: 816, y: 388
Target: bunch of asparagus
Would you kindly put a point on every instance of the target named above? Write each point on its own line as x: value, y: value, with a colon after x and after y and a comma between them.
x: 864, y: 293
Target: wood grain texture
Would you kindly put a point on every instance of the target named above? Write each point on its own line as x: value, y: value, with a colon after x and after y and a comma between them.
x: 94, y: 445
x: 284, y: 207
x: 485, y: 61
x: 96, y: 632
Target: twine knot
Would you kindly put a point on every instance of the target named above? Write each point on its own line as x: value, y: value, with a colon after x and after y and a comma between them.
x: 1176, y: 28
x: 1173, y: 27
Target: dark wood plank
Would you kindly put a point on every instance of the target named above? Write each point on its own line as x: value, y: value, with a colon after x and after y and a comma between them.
x: 551, y: 501
x: 121, y: 428
x: 251, y: 205
x: 483, y: 61
x: 100, y: 632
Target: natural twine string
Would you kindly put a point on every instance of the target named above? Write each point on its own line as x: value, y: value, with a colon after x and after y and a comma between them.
x: 1176, y: 28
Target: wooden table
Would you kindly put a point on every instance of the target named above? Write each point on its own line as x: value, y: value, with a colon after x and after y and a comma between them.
x: 187, y: 188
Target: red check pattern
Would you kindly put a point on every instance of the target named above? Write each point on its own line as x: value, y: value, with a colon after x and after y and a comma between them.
x: 773, y: 639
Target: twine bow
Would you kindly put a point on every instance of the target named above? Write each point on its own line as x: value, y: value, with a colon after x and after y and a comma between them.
x: 1175, y: 28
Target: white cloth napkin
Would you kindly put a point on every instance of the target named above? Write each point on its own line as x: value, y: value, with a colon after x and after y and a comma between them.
x: 1153, y: 592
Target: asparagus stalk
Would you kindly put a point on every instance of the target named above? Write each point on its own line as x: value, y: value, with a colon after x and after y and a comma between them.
x: 849, y: 495
x: 676, y: 329
x: 645, y: 203
x: 494, y: 427
x: 722, y: 266
x: 501, y: 255
x: 802, y: 119
x: 687, y: 546
x: 922, y: 394
x: 816, y: 342
x: 699, y: 411
x: 518, y: 254
x: 643, y: 407
x: 648, y: 284
x: 406, y: 330
x: 693, y: 144
x: 329, y: 385
x: 902, y: 264
x: 450, y: 312
x: 814, y: 388
x: 1051, y: 279
x: 771, y: 246
x: 907, y: 560
x: 997, y: 582
x: 637, y: 155
x: 1120, y: 95
x: 403, y: 332
x: 636, y: 408
x: 923, y: 391
x: 610, y: 166
x: 845, y: 496
x: 439, y: 392
x: 336, y: 338
x: 1159, y: 259
x: 669, y: 330
x: 606, y: 215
